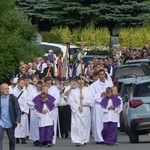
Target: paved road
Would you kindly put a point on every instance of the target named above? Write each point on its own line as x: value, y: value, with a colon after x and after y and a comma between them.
x: 65, y: 144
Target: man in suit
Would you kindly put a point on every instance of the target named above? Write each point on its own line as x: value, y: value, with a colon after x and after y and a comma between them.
x: 10, y: 115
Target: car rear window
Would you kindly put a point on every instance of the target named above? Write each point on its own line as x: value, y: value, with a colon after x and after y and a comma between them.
x: 126, y: 89
x: 74, y: 50
x: 86, y: 59
x: 132, y: 70
x: 56, y: 49
x: 142, y: 90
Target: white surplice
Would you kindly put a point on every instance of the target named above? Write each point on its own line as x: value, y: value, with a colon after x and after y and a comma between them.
x: 53, y: 91
x: 45, y: 119
x: 119, y: 111
x: 80, y: 121
x: 111, y: 115
x: 34, y: 124
x: 96, y: 89
x: 22, y: 129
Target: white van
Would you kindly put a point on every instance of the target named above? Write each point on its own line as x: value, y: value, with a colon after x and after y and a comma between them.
x: 59, y: 47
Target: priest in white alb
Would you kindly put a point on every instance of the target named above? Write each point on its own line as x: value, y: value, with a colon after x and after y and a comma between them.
x: 34, y: 126
x: 53, y: 91
x: 98, y: 90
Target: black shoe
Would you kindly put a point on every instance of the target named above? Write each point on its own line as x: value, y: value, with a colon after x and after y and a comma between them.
x: 41, y: 145
x: 36, y: 143
x: 78, y: 144
x: 48, y: 145
x: 23, y: 141
x: 66, y: 135
x: 17, y: 141
x: 100, y: 142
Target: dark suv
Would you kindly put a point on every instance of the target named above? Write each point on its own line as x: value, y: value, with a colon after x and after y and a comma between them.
x: 135, y: 61
x: 130, y: 70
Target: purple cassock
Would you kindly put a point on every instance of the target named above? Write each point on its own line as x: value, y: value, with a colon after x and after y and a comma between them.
x: 110, y: 129
x: 39, y: 104
x: 46, y: 133
x: 51, y: 58
x: 112, y: 64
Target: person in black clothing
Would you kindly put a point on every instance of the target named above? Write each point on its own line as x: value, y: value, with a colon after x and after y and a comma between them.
x: 49, y: 70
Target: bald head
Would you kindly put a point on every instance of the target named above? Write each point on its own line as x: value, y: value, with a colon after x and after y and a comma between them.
x: 4, y: 89
x: 50, y: 51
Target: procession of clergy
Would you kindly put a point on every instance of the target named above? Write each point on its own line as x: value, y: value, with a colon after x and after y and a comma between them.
x: 57, y: 107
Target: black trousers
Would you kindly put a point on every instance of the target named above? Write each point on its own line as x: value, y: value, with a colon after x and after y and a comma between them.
x: 64, y: 119
x: 11, y: 137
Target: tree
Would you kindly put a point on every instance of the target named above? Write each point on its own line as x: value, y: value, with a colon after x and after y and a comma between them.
x: 122, y: 13
x: 16, y: 40
x: 83, y: 13
x: 47, y: 13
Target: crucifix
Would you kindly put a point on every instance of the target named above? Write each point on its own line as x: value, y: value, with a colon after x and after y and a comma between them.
x: 81, y: 43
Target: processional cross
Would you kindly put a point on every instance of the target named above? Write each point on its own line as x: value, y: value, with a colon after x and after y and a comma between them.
x: 81, y: 43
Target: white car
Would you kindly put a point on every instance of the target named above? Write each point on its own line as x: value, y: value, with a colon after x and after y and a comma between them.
x: 59, y: 47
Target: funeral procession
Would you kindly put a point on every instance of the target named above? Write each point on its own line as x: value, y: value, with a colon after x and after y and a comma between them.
x: 75, y: 74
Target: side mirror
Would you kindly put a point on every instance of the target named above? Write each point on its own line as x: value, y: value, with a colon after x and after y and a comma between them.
x: 124, y: 99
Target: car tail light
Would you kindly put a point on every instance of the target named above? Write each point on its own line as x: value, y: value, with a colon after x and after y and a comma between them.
x: 135, y: 103
x: 138, y: 120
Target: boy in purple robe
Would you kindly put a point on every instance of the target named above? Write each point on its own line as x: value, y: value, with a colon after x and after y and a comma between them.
x: 111, y: 109
x: 44, y: 108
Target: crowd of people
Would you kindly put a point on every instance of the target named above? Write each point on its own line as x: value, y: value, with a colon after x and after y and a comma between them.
x: 48, y: 102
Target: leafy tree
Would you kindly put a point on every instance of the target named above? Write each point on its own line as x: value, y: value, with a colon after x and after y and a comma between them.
x: 84, y: 13
x: 16, y: 40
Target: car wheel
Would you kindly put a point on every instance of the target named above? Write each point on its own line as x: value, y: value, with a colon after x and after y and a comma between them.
x: 133, y: 137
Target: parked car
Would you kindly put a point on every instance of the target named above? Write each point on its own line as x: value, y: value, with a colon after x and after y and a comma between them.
x: 135, y: 61
x: 137, y: 110
x: 124, y: 89
x: 59, y: 47
x: 86, y: 59
x: 129, y: 71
